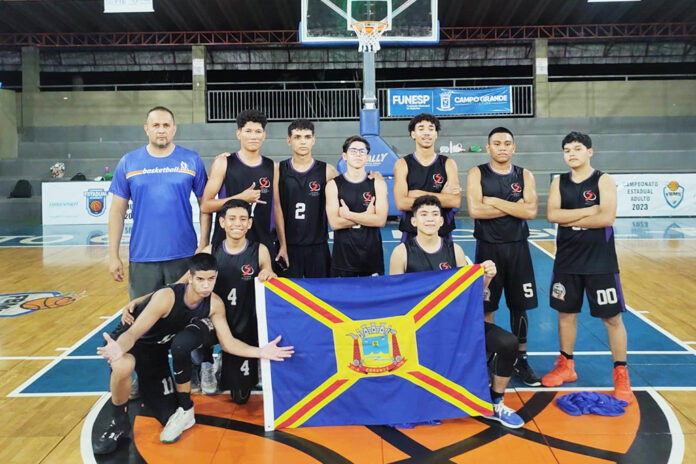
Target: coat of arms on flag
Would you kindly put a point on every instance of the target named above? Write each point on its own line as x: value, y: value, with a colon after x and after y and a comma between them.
x: 375, y: 350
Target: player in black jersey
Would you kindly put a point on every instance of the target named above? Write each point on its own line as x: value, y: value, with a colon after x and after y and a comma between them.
x: 583, y: 204
x: 356, y: 207
x: 424, y: 172
x: 248, y: 176
x: 239, y: 261
x: 191, y: 309
x: 302, y: 188
x: 501, y: 197
x: 427, y: 251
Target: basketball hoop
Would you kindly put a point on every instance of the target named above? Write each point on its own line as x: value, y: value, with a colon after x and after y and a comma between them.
x: 369, y: 33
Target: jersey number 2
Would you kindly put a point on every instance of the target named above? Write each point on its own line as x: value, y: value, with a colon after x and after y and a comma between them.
x: 300, y: 210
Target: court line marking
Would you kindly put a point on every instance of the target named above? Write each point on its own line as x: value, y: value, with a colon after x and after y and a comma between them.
x: 676, y: 455
x: 15, y: 393
x: 458, y: 239
x: 530, y: 353
x: 638, y: 315
x: 508, y: 390
x: 86, y: 449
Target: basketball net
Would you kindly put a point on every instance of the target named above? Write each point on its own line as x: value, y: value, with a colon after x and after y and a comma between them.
x: 369, y: 33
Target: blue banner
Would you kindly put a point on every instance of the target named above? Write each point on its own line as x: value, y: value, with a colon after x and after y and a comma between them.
x: 375, y: 350
x: 450, y: 102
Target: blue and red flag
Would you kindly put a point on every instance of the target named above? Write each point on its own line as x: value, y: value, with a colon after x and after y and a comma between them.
x: 375, y: 350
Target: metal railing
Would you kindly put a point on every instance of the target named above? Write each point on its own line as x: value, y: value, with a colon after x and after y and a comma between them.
x: 326, y: 104
x: 315, y: 104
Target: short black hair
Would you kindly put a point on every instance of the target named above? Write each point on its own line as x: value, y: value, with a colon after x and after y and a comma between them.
x: 423, y: 117
x: 577, y: 137
x: 251, y: 116
x: 159, y: 108
x: 234, y: 203
x: 355, y: 138
x: 300, y: 124
x: 500, y: 130
x: 425, y: 200
x: 202, y: 262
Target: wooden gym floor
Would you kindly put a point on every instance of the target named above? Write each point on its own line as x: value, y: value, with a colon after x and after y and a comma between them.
x: 51, y: 379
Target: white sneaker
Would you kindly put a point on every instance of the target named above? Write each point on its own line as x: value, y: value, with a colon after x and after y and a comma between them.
x: 178, y: 422
x: 208, y: 381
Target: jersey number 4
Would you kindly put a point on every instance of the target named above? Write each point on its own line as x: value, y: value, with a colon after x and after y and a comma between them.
x: 232, y: 297
x: 244, y: 368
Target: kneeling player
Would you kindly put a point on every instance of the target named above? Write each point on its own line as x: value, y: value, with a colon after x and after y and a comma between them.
x: 427, y: 251
x: 144, y: 347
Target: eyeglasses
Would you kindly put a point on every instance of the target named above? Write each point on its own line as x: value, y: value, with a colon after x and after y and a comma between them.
x: 357, y: 151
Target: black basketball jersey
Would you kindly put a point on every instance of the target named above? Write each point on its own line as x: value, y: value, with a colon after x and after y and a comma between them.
x: 235, y: 286
x: 357, y: 248
x: 578, y: 250
x: 417, y: 259
x: 239, y: 177
x: 431, y: 178
x: 178, y: 318
x: 509, y: 187
x: 303, y: 200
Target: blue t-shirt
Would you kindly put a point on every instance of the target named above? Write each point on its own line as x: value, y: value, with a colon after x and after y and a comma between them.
x: 160, y: 189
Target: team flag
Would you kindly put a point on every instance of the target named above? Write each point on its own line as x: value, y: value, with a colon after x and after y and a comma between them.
x: 375, y: 350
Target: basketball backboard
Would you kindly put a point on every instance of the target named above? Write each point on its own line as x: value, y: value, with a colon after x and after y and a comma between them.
x: 327, y: 22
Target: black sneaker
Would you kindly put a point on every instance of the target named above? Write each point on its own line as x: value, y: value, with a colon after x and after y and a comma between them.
x: 525, y: 372
x: 117, y: 430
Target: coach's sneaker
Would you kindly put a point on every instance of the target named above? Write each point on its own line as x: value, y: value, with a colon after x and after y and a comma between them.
x: 622, y: 385
x: 178, y: 422
x: 506, y: 416
x: 563, y: 372
x: 117, y: 430
x: 208, y: 380
x: 525, y: 372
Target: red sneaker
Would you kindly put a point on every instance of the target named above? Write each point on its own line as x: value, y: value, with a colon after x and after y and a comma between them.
x: 563, y: 372
x: 622, y: 385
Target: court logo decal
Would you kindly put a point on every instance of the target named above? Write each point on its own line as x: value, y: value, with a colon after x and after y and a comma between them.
x: 18, y: 304
x: 95, y: 201
x: 674, y: 193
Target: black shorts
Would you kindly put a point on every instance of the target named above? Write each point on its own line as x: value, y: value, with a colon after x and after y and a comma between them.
x: 310, y: 261
x: 155, y: 381
x: 603, y: 293
x: 238, y: 373
x: 515, y: 275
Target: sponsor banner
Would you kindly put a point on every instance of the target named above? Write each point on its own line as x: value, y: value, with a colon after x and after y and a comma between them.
x: 128, y: 6
x: 84, y: 203
x: 655, y: 194
x: 450, y: 101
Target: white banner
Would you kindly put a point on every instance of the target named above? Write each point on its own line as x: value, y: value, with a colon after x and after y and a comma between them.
x: 655, y: 194
x: 128, y: 6
x: 84, y: 203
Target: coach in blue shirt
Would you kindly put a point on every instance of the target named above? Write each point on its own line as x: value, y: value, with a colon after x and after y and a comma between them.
x: 159, y: 178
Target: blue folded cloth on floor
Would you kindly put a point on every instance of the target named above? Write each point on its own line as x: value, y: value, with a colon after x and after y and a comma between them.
x: 579, y: 403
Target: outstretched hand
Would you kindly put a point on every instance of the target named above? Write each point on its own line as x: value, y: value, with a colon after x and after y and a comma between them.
x: 111, y: 351
x: 276, y: 353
